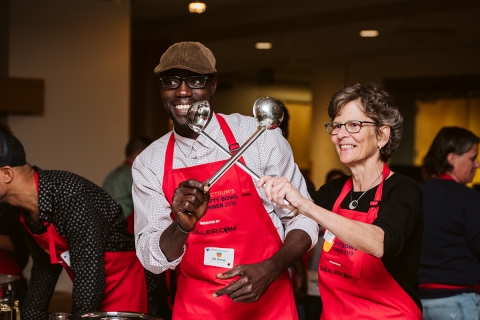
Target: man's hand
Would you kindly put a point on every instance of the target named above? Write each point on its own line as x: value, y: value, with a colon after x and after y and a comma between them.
x: 253, y: 281
x: 189, y: 203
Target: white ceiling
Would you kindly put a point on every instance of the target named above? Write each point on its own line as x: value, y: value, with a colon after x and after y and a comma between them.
x: 305, y: 31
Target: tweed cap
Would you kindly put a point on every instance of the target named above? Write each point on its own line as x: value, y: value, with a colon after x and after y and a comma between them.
x: 192, y: 56
x: 12, y: 153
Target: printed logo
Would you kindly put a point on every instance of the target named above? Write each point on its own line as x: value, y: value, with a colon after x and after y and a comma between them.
x: 213, y: 231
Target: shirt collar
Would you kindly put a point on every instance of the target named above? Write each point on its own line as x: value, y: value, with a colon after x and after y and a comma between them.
x: 186, y: 145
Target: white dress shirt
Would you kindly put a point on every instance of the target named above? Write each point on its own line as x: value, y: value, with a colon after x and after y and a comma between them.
x: 270, y: 155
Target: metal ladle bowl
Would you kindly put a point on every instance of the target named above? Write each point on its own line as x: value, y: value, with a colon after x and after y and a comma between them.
x: 197, y: 115
x: 268, y: 111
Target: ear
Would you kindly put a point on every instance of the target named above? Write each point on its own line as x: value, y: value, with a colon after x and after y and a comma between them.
x: 213, y: 85
x: 451, y: 158
x: 7, y: 174
x: 383, y: 135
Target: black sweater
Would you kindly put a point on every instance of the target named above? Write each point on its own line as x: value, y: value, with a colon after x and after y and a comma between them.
x: 399, y: 216
x: 451, y: 241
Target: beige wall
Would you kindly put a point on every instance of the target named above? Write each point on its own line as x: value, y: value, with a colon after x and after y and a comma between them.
x: 81, y: 49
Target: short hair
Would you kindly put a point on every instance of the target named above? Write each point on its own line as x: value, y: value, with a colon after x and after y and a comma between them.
x: 137, y: 144
x: 378, y: 105
x: 448, y: 139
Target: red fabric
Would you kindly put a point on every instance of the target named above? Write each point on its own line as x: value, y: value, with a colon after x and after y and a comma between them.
x: 356, y: 285
x: 448, y: 286
x: 244, y: 217
x: 8, y: 265
x: 445, y: 177
x: 125, y: 283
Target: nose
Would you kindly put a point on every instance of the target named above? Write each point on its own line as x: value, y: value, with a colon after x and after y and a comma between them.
x: 183, y: 90
x: 476, y: 164
x: 343, y: 131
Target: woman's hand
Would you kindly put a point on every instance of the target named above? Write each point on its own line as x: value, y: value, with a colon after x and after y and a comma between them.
x: 277, y: 189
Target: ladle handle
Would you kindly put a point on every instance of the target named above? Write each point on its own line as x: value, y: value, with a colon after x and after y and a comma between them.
x: 208, y: 184
x: 225, y: 151
x: 240, y: 164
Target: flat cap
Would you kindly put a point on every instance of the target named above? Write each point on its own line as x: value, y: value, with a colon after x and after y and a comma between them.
x: 192, y: 56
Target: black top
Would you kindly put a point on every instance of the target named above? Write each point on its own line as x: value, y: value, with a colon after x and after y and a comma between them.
x: 399, y: 216
x: 451, y: 241
x: 92, y: 223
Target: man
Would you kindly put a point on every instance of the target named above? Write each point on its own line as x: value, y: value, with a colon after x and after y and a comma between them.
x: 118, y: 183
x: 70, y: 222
x: 231, y: 245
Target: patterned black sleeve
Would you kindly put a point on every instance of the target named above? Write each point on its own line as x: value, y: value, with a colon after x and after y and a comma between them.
x: 43, y: 279
x: 87, y: 238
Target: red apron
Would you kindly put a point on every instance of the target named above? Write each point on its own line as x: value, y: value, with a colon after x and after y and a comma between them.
x: 237, y: 222
x: 356, y: 285
x: 123, y: 271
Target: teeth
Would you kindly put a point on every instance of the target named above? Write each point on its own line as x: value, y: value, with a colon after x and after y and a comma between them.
x: 346, y: 146
x: 183, y: 106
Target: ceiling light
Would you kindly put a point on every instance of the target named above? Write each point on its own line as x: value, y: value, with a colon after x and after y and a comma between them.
x: 263, y: 45
x: 197, y: 7
x: 368, y: 33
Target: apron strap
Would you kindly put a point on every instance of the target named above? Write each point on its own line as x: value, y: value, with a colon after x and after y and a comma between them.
x: 233, y: 147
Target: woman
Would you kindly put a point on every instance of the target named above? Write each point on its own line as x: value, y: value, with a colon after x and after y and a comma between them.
x: 449, y: 271
x: 373, y: 218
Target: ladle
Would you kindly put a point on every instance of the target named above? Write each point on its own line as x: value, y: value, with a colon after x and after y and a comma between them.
x: 197, y: 118
x: 269, y: 115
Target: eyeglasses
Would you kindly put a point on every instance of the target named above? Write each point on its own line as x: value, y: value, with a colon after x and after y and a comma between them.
x: 352, y: 126
x: 194, y: 82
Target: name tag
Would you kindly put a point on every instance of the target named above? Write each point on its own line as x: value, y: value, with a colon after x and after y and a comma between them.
x: 66, y: 257
x: 329, y: 240
x: 219, y: 257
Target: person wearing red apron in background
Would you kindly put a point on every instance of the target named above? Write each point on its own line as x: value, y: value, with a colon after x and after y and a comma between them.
x: 229, y: 244
x: 373, y: 218
x: 71, y: 223
x: 449, y: 271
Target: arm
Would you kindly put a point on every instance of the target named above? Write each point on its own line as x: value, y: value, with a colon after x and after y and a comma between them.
x: 153, y: 214
x: 365, y: 237
x: 87, y: 238
x: 43, y: 278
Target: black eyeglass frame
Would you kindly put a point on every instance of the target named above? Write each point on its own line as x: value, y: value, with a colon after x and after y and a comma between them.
x: 344, y: 124
x: 184, y: 79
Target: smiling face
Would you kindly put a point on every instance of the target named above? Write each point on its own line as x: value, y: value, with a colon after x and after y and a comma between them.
x: 465, y: 165
x: 361, y: 147
x: 176, y: 102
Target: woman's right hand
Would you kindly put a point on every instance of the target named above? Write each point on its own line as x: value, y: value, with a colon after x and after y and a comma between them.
x: 277, y: 189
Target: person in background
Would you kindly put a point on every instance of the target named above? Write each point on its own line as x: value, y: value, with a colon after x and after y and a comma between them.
x: 118, y: 182
x: 449, y: 271
x: 373, y: 218
x: 232, y: 246
x: 72, y: 223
